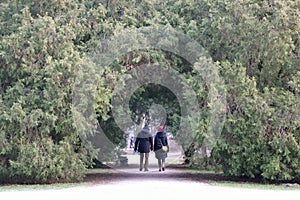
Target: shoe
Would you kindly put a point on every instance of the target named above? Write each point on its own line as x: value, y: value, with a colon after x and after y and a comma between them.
x: 146, y: 170
x: 163, y: 169
x: 141, y: 169
x: 159, y: 170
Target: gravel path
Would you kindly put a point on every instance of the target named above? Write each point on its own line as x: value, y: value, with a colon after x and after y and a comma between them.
x: 129, y: 183
x: 133, y: 184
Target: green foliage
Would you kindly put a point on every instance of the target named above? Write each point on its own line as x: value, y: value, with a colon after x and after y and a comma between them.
x: 43, y: 44
x: 38, y: 66
x: 43, y: 161
x: 257, y: 44
x: 261, y: 135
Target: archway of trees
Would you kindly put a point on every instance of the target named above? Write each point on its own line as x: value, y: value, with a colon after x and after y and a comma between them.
x: 44, y: 45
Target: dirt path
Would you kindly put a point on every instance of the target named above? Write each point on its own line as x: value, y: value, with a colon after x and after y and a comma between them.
x: 133, y: 174
x: 129, y: 183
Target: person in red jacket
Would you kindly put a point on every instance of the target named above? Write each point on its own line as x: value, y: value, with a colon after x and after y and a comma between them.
x: 160, y: 142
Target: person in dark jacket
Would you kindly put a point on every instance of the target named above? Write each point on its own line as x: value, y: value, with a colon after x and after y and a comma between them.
x: 161, y: 140
x: 144, y: 144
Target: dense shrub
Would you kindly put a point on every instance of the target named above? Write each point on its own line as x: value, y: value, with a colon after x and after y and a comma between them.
x: 43, y: 44
x: 260, y: 138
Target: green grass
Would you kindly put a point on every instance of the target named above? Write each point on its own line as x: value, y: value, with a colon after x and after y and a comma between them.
x: 239, y: 184
x: 97, y: 171
x: 200, y: 171
x: 252, y: 185
x: 56, y: 186
x: 16, y: 187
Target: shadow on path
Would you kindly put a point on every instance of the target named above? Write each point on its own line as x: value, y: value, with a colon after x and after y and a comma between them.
x: 132, y: 173
x: 175, y: 171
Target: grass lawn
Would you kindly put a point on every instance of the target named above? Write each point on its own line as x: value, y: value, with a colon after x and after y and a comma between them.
x: 239, y: 184
x: 253, y: 185
x: 17, y: 187
x: 21, y: 187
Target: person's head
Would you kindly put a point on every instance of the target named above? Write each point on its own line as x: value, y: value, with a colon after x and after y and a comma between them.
x: 161, y: 128
x: 146, y: 127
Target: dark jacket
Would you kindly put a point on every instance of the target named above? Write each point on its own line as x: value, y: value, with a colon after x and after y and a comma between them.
x: 144, y: 141
x: 160, y: 140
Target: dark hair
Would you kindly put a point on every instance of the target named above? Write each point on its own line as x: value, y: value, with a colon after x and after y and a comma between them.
x: 146, y: 126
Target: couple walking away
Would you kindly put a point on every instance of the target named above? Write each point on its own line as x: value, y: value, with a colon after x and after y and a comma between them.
x: 144, y: 144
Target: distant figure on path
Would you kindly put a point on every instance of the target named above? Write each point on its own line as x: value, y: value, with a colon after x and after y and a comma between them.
x: 143, y: 144
x: 131, y: 142
x: 161, y: 142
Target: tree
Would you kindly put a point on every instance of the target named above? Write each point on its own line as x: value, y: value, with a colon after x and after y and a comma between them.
x: 45, y: 45
x: 38, y: 65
